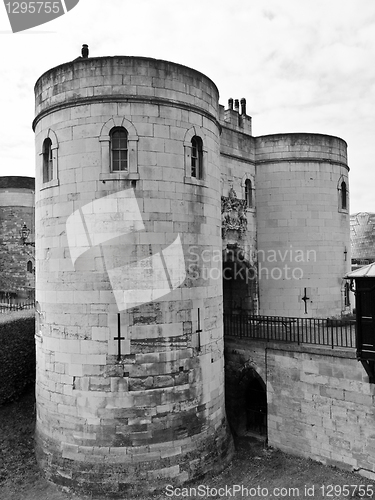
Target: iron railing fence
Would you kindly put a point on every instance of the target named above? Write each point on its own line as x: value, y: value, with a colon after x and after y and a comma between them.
x: 317, y: 331
x: 6, y: 308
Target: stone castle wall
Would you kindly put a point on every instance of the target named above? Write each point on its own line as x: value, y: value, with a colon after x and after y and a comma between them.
x: 320, y: 404
x: 237, y: 156
x: 16, y: 208
x: 238, y: 164
x: 326, y: 411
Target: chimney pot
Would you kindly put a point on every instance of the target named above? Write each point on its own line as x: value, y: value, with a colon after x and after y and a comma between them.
x: 85, y: 51
x: 243, y: 106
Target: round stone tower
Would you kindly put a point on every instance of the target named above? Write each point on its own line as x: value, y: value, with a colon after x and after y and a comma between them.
x: 130, y: 392
x: 303, y: 225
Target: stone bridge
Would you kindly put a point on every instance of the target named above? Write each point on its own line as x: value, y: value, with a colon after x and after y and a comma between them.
x: 312, y: 401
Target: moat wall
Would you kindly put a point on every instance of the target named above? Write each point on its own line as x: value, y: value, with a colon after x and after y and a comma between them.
x: 320, y: 403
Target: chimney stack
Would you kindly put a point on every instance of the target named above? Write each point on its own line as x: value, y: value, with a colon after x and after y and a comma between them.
x: 243, y: 106
x: 85, y: 51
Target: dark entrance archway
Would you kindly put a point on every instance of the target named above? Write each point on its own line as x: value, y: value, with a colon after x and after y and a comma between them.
x: 239, y: 283
x: 246, y: 402
x: 256, y: 407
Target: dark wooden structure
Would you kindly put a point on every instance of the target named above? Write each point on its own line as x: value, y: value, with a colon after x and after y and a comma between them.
x: 364, y: 279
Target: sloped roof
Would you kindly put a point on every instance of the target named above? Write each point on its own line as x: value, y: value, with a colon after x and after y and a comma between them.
x: 362, y: 235
x: 363, y: 272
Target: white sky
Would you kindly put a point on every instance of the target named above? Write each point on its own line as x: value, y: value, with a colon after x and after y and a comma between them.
x: 302, y: 65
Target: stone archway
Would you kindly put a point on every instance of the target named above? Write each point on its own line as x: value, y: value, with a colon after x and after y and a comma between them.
x: 239, y: 283
x: 246, y: 402
x: 256, y: 407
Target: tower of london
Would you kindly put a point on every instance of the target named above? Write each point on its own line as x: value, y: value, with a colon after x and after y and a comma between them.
x: 157, y: 211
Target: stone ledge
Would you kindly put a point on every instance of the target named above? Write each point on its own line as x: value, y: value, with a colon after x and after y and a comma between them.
x: 116, y: 176
x: 338, y: 352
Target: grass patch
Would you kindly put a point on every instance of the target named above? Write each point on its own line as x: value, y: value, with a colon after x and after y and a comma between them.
x: 17, y: 353
x: 13, y: 315
x: 253, y: 467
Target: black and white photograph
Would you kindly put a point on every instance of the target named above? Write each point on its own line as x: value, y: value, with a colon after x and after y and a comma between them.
x: 187, y: 249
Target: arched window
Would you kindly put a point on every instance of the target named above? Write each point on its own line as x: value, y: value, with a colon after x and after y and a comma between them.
x: 344, y: 196
x: 29, y: 266
x: 197, y: 157
x: 248, y: 193
x: 47, y: 160
x: 119, y: 149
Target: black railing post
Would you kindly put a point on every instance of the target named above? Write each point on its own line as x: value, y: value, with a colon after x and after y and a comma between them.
x: 297, y: 331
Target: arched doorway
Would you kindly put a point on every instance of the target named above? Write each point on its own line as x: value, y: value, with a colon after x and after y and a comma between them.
x: 256, y: 407
x: 239, y: 283
x: 246, y: 402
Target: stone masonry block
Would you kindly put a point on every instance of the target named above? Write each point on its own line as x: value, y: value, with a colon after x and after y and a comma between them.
x: 361, y: 399
x: 75, y: 370
x: 167, y: 472
x: 100, y: 333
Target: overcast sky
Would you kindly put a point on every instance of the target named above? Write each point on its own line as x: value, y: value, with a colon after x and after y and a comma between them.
x: 302, y: 65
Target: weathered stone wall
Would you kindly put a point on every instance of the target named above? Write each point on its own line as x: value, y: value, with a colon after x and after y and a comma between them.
x: 16, y: 208
x: 302, y: 230
x: 237, y: 156
x: 324, y: 409
x: 157, y: 414
x: 320, y: 403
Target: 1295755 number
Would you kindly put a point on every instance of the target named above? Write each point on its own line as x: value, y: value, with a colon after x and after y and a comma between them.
x: 347, y: 490
x: 33, y: 7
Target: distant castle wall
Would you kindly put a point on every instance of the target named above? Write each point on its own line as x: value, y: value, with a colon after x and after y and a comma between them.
x: 16, y: 208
